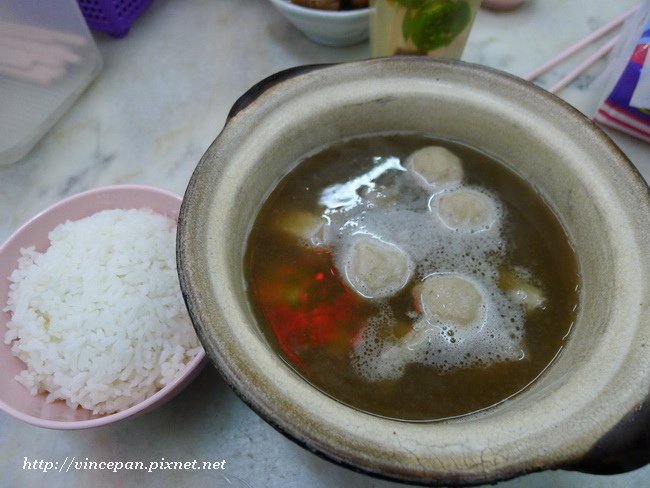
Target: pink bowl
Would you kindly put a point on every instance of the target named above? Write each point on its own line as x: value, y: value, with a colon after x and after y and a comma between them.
x: 14, y: 397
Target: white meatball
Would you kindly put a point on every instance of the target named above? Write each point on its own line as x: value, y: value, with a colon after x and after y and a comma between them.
x: 466, y: 210
x: 450, y: 298
x: 375, y: 268
x: 435, y: 167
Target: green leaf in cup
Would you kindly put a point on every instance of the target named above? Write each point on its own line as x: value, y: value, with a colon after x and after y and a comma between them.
x: 431, y: 24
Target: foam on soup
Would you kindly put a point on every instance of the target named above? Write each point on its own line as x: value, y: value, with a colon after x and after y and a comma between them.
x: 411, y: 277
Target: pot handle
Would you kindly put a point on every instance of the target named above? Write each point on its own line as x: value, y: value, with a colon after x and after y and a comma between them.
x: 624, y: 448
x: 259, y: 88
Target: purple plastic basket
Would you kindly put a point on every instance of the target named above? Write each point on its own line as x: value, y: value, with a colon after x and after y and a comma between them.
x: 114, y: 17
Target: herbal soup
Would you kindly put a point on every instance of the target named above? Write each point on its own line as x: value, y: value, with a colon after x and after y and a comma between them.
x: 411, y: 278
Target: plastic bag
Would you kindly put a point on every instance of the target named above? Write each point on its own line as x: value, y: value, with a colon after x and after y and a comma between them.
x: 626, y: 106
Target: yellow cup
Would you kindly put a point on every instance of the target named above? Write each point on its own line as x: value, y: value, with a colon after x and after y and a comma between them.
x: 438, y: 28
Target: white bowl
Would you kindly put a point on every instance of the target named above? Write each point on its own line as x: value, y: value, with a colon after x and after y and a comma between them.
x: 327, y: 27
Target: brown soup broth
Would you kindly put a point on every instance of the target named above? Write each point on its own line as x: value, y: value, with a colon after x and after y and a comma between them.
x: 312, y: 318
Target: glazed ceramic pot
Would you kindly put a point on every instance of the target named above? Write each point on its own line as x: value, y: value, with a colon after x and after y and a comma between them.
x: 588, y: 411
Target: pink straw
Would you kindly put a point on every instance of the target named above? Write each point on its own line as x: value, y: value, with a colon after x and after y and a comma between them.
x: 574, y: 48
x: 604, y: 49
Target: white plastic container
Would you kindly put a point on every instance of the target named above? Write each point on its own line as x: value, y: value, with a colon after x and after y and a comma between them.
x: 47, y: 58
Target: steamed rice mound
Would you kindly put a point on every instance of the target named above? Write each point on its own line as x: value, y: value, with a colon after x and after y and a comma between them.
x: 98, y: 318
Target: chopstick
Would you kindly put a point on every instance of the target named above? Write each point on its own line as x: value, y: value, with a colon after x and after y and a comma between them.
x: 579, y: 45
x: 40, y: 51
x: 41, y: 74
x: 33, y: 33
x: 36, y: 54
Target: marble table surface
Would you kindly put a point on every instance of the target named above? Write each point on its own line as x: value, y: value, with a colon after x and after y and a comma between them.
x: 161, y: 99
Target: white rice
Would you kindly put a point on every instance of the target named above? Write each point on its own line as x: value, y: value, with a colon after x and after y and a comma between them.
x: 98, y: 318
